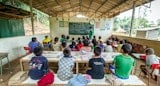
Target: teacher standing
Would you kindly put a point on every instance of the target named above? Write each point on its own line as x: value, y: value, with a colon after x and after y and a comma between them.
x: 90, y: 33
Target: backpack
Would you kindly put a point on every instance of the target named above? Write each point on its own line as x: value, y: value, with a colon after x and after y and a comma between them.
x: 79, y: 80
x: 46, y: 80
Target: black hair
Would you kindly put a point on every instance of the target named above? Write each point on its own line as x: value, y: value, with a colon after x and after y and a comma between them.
x: 38, y: 51
x: 113, y: 39
x: 87, y: 37
x: 64, y: 44
x: 86, y: 42
x: 72, y: 39
x: 149, y: 51
x: 46, y: 36
x: 122, y: 42
x: 108, y: 42
x: 67, y: 37
x: 79, y: 38
x: 73, y: 43
x: 99, y: 37
x: 97, y: 51
x: 34, y: 39
x: 83, y: 37
x: 62, y: 36
x: 66, y: 52
x: 56, y: 39
x: 94, y: 37
x: 127, y: 48
x: 95, y: 43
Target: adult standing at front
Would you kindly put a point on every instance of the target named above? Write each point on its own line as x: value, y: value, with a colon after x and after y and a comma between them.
x: 90, y: 33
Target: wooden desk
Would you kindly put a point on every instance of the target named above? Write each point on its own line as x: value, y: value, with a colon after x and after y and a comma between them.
x: 2, y: 56
x: 54, y: 56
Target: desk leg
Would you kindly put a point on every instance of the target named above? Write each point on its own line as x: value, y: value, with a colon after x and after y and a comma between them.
x: 21, y: 63
x: 77, y: 68
x: 9, y: 65
x: 1, y: 69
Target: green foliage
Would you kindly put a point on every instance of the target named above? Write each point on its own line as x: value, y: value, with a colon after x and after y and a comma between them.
x: 38, y: 15
x: 158, y: 22
x: 125, y: 23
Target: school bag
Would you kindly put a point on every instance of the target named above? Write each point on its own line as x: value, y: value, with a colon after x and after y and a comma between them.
x: 79, y: 80
x: 46, y: 80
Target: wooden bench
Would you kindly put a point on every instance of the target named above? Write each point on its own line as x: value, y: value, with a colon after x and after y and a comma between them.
x: 20, y: 79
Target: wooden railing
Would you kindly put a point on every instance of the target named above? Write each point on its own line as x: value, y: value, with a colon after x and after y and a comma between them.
x: 150, y: 43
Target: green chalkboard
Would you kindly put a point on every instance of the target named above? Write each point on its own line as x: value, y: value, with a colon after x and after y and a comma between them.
x: 11, y: 27
x: 80, y: 28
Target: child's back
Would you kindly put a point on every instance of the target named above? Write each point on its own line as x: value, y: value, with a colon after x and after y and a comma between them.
x: 124, y: 63
x: 65, y: 66
x: 97, y: 65
x: 38, y: 65
x: 151, y: 58
x: 108, y: 47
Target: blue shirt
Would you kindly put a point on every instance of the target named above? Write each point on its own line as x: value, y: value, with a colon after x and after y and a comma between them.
x: 38, y: 66
x: 33, y: 45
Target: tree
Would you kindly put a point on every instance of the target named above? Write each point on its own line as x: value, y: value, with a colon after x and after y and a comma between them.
x: 158, y: 22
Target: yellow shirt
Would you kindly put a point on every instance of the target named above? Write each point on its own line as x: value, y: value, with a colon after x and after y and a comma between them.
x: 46, y: 40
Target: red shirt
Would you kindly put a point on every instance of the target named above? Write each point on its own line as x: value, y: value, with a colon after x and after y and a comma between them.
x: 79, y: 46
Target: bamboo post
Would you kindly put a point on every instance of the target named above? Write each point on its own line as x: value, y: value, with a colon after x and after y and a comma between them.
x: 31, y: 14
x: 132, y: 20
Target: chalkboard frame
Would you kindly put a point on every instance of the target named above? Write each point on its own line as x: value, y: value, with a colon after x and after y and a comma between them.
x: 80, y: 28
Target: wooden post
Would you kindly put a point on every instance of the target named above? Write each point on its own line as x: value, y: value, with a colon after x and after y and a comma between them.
x: 132, y: 20
x: 31, y: 14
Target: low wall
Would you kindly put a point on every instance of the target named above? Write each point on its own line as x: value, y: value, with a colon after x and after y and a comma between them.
x: 150, y: 43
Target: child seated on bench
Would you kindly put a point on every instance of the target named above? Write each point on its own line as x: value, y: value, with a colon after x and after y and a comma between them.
x: 123, y: 63
x: 151, y: 59
x: 65, y: 66
x: 38, y: 65
x: 97, y: 65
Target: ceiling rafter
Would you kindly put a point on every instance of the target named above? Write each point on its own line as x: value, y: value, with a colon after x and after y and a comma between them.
x: 102, y: 8
x: 91, y: 1
x: 80, y: 4
x: 99, y: 7
x: 12, y: 15
x: 119, y: 4
x: 90, y: 8
x: 59, y: 4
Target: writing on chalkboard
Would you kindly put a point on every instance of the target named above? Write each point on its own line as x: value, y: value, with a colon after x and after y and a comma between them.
x: 80, y: 28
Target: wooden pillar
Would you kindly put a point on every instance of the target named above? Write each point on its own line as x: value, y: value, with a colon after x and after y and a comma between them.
x: 31, y: 14
x: 132, y: 20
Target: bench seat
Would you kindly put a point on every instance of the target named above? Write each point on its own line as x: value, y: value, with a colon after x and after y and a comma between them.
x: 19, y: 80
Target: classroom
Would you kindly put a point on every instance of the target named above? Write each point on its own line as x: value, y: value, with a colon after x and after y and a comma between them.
x: 79, y: 43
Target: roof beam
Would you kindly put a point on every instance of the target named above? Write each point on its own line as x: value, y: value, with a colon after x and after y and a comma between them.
x: 80, y: 4
x: 64, y: 10
x: 119, y: 4
x: 59, y: 4
x: 90, y: 8
x: 13, y: 15
x: 91, y: 1
x: 99, y: 7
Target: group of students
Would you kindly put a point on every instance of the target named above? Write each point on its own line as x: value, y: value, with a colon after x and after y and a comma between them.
x: 122, y: 64
x: 121, y: 67
x: 82, y: 43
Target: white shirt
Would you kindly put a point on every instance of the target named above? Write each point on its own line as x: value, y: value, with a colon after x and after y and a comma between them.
x: 109, y: 48
x: 152, y: 59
